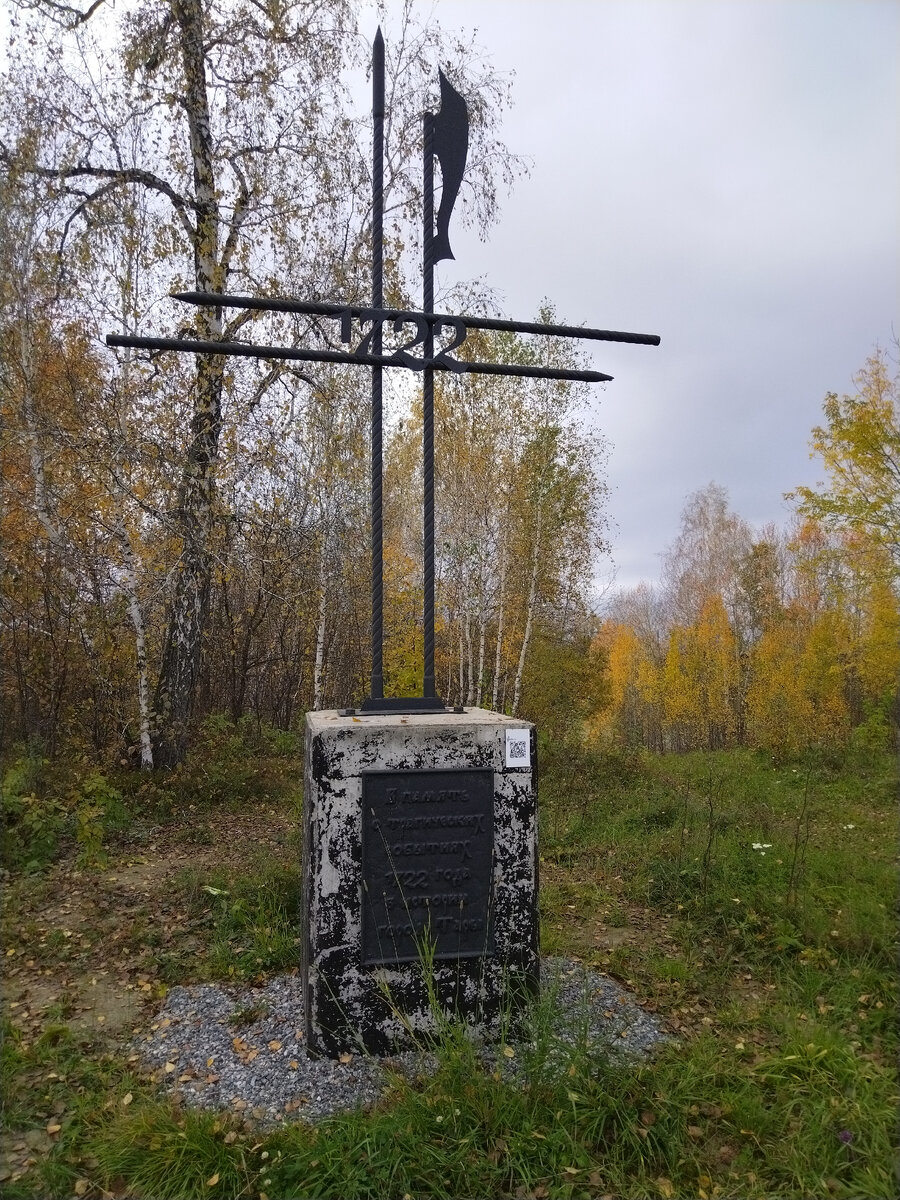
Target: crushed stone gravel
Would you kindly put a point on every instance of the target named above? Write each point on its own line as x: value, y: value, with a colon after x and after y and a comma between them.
x: 241, y: 1047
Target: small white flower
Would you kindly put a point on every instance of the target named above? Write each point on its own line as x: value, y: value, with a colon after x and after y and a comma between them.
x: 764, y: 846
x: 848, y: 827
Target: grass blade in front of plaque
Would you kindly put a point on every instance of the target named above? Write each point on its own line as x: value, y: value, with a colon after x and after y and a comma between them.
x: 749, y: 903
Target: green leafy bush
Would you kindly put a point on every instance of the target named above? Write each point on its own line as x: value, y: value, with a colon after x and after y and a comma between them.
x: 99, y: 810
x: 33, y: 825
x: 43, y: 809
x: 237, y: 763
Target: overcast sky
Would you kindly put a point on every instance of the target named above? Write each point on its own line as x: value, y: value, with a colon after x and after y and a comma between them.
x: 724, y: 174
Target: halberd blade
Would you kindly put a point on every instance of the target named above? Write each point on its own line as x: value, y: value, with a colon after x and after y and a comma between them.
x: 451, y: 146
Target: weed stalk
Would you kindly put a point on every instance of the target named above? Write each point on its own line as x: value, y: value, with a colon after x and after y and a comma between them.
x: 798, y: 855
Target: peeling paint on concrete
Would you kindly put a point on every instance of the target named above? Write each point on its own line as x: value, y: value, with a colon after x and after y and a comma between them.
x: 379, y: 1008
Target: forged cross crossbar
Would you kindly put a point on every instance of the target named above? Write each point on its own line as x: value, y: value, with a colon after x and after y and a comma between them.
x: 315, y: 308
x: 248, y: 350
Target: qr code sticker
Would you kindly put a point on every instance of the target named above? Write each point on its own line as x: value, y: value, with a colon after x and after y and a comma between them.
x: 518, y: 748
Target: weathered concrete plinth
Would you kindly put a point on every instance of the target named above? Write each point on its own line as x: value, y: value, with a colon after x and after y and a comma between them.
x: 418, y: 831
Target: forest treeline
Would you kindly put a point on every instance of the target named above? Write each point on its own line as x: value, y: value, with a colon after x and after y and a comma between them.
x: 184, y: 536
x: 775, y: 638
x: 781, y: 639
x: 85, y: 590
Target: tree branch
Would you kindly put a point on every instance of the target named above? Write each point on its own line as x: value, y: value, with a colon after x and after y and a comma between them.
x: 66, y: 11
x: 117, y: 177
x: 241, y: 210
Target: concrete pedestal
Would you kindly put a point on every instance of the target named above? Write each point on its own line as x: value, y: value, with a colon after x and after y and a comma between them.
x: 419, y: 838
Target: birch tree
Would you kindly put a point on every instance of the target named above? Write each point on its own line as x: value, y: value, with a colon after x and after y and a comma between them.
x: 232, y: 121
x: 704, y: 559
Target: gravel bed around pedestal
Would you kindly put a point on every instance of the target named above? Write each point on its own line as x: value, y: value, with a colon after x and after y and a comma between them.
x: 241, y: 1048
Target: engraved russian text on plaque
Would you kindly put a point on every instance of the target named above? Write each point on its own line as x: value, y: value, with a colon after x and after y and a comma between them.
x: 427, y: 846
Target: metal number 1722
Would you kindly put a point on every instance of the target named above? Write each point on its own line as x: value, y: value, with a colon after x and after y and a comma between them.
x: 402, y: 353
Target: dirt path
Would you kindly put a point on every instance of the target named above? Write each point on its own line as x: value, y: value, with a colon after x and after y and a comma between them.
x: 79, y: 944
x: 81, y: 947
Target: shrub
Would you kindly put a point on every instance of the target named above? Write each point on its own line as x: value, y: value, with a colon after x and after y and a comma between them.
x: 33, y: 825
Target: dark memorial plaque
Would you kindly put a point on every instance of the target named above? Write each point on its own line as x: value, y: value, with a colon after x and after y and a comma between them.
x: 427, y: 857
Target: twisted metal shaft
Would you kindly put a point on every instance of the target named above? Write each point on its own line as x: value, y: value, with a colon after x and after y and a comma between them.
x: 428, y: 412
x: 377, y: 681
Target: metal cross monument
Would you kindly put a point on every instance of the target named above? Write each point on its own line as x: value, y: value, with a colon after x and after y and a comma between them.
x: 446, y: 136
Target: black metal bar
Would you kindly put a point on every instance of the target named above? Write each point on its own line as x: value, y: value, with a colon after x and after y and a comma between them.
x: 316, y: 308
x: 246, y: 350
x: 428, y: 410
x: 399, y: 706
x: 377, y: 683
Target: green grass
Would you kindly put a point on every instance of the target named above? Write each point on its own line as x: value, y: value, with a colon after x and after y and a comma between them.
x: 61, y: 1080
x: 778, y: 968
x: 170, y: 1155
x: 795, y: 946
x: 252, y: 921
x: 462, y: 1131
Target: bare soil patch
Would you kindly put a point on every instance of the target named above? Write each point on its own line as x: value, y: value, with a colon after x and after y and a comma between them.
x: 79, y: 943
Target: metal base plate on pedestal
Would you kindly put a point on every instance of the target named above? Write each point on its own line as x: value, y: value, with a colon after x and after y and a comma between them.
x: 399, y: 706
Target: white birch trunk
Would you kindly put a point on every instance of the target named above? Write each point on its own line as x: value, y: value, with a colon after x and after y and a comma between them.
x: 461, y: 656
x: 36, y: 458
x: 129, y: 568
x: 318, y: 672
x: 447, y: 692
x: 470, y: 692
x: 480, y: 675
x: 529, y: 616
x: 498, y: 657
x: 182, y: 653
